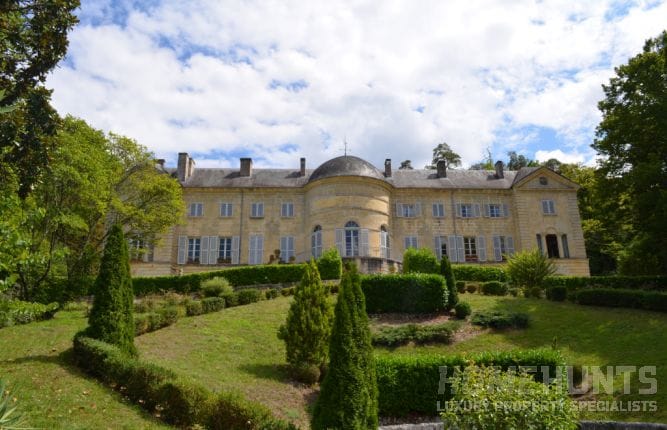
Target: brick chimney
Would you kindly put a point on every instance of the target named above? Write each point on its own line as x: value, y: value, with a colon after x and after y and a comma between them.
x: 387, y: 168
x: 246, y: 166
x: 185, y: 167
x: 499, y: 169
x: 441, y: 167
x: 302, y: 170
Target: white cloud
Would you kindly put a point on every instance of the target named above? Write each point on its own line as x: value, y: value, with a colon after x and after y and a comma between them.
x: 196, y: 76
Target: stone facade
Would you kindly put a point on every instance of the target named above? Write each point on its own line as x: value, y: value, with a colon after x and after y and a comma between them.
x: 241, y: 216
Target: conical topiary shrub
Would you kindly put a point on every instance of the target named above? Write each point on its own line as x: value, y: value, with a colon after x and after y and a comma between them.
x: 349, y: 395
x: 111, y: 318
x: 308, y: 327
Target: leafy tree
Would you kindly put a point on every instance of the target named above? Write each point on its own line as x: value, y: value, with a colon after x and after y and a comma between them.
x: 33, y: 38
x: 111, y: 318
x: 406, y: 165
x: 444, y: 152
x: 528, y: 269
x: 486, y: 164
x: 93, y: 180
x: 308, y: 327
x: 349, y: 397
x: 446, y: 271
x: 631, y: 138
x: 553, y: 164
x: 517, y: 161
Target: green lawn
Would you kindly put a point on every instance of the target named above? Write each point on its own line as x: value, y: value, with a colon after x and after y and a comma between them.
x: 51, y: 393
x: 237, y: 349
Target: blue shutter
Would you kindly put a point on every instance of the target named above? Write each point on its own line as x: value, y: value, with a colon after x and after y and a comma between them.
x: 182, y: 249
x: 497, y: 251
x: 364, y: 242
x: 213, y: 246
x: 481, y: 248
x: 235, y: 249
x: 340, y: 241
x: 451, y: 248
x: 460, y: 250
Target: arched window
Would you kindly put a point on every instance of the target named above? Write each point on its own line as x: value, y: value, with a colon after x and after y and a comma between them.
x: 384, y: 242
x: 316, y: 242
x: 351, y: 239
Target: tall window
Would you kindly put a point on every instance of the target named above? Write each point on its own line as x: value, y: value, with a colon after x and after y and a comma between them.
x: 438, y: 210
x: 316, y: 242
x: 441, y: 246
x: 287, y: 210
x: 140, y: 250
x: 548, y: 207
x: 256, y: 249
x: 411, y: 242
x: 257, y: 210
x: 287, y: 249
x: 470, y: 248
x: 226, y: 209
x: 196, y: 209
x: 194, y: 249
x: 351, y: 239
x: 225, y: 250
x: 566, y: 248
x: 502, y: 247
x: 384, y: 243
x: 552, y: 246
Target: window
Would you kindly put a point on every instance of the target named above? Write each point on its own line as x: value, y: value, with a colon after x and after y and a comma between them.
x: 140, y: 250
x: 470, y: 248
x: 552, y: 246
x: 225, y: 250
x: 384, y: 243
x: 316, y: 242
x: 408, y: 210
x: 502, y: 247
x: 566, y: 248
x: 540, y: 246
x: 287, y: 210
x: 226, y: 209
x: 196, y: 209
x: 495, y: 211
x: 438, y: 210
x: 467, y: 210
x: 287, y: 249
x: 543, y: 180
x: 257, y: 210
x: 411, y: 242
x: 256, y: 249
x: 194, y: 249
x: 440, y: 246
x: 548, y: 207
x: 351, y: 239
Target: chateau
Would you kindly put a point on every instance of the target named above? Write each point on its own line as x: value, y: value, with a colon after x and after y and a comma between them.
x: 256, y: 216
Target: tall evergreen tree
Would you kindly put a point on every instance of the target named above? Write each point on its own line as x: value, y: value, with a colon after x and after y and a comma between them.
x: 111, y: 318
x: 349, y: 395
x: 308, y: 327
x: 446, y: 271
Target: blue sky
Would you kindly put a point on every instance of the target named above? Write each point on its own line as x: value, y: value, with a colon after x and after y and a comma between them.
x: 280, y: 80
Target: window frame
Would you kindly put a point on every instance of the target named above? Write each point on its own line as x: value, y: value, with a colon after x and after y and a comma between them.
x: 257, y: 210
x: 438, y: 210
x: 229, y: 209
x: 470, y: 245
x: 194, y: 250
x: 199, y: 210
x: 290, y: 210
x: 408, y: 242
x: 548, y: 207
x: 224, y: 250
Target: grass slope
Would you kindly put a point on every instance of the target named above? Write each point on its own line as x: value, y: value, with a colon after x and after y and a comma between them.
x: 51, y: 393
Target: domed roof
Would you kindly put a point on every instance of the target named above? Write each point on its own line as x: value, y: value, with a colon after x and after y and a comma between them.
x: 346, y: 165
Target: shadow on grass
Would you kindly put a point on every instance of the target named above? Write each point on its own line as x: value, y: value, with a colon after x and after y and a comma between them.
x: 274, y: 372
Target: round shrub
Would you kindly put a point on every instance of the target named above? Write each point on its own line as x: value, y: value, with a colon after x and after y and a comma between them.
x: 249, y: 295
x: 231, y: 299
x: 308, y: 374
x: 557, y: 293
x: 216, y: 287
x: 271, y: 293
x: 330, y: 265
x: 516, y: 401
x: 494, y: 288
x: 193, y: 308
x: 461, y: 286
x: 533, y: 292
x: 462, y: 310
x: 471, y: 288
x: 419, y: 261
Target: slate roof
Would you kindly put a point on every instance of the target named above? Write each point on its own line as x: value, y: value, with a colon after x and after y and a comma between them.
x: 352, y: 166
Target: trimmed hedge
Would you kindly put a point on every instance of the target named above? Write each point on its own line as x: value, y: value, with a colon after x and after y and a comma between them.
x: 500, y: 320
x: 409, y: 384
x: 420, y: 261
x: 612, y: 297
x: 557, y: 293
x: 411, y: 293
x: 419, y: 334
x: 18, y: 312
x: 656, y: 283
x: 494, y: 288
x: 469, y: 272
x: 179, y: 402
x: 330, y: 265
